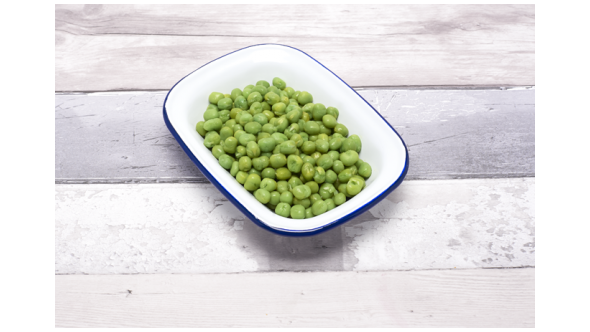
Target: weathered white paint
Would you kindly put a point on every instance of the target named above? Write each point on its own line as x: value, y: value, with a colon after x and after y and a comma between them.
x: 192, y: 228
x: 106, y: 47
x: 451, y: 298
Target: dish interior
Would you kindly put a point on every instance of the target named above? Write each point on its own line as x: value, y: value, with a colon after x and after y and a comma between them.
x: 381, y: 146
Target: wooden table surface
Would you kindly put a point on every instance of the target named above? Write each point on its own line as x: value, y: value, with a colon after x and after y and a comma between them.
x: 144, y: 240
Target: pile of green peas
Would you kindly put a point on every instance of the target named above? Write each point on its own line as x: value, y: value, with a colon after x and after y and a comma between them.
x: 290, y: 152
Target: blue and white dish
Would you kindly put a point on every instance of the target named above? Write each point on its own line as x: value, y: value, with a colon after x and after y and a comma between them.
x: 382, y: 147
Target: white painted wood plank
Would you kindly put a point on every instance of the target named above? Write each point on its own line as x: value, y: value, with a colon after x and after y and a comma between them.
x: 139, y: 47
x: 192, y: 228
x: 121, y: 137
x: 451, y: 298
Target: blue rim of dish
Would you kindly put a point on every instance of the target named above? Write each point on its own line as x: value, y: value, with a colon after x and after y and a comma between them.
x: 231, y: 198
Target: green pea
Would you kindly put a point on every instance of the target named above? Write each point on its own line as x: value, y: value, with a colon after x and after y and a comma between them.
x: 252, y: 182
x: 294, y: 115
x: 234, y: 112
x: 330, y: 204
x: 307, y: 171
x: 313, y: 138
x: 333, y: 111
x: 349, y: 157
x: 241, y: 103
x: 318, y: 111
x: 226, y: 132
x: 272, y: 98
x: 325, y: 161
x: 279, y: 109
x: 263, y: 83
x: 365, y: 170
x: 339, y: 199
x: 269, y: 128
x: 262, y: 135
x: 211, y: 113
x: 241, y: 176
x: 282, y: 186
x: 283, y: 173
x: 322, y: 145
x: 266, y: 154
x: 224, y: 116
x: 234, y: 168
x: 211, y: 139
x: 279, y: 83
x: 293, y: 182
x: 275, y: 197
x: 358, y: 142
x: 255, y: 171
x: 304, y: 97
x: 240, y: 151
x: 278, y: 160
x: 217, y: 151
x: 331, y: 176
x: 226, y: 161
x: 320, y: 175
x: 252, y: 149
x: 286, y: 197
x: 338, y: 166
x: 283, y: 210
x: 355, y: 185
x: 255, y: 108
x: 288, y: 147
x: 254, y: 97
x: 260, y: 89
x: 308, y: 213
x: 298, y: 212
x: 341, y: 129
x: 225, y: 103
x: 260, y: 163
x: 247, y: 90
x: 301, y: 192
x: 282, y: 124
x: 316, y: 155
x: 268, y: 184
x: 329, y: 121
x: 215, y: 97
x: 260, y: 118
x: 267, y: 144
x: 294, y: 163
x: 246, y: 138
x: 335, y: 155
x: 312, y: 128
x: 213, y: 124
x: 265, y: 107
x: 269, y: 115
x: 262, y: 195
x: 313, y: 186
x: 277, y: 150
x: 235, y: 93
x: 345, y: 175
x: 308, y: 147
x: 245, y: 163
x: 309, y: 159
x: 200, y: 129
x: 327, y: 190
x: 319, y: 207
x: 323, y: 137
x: 303, y: 202
x: 268, y: 173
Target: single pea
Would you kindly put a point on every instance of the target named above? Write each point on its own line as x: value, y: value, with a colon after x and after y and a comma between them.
x: 288, y: 147
x: 303, y: 202
x: 333, y: 111
x: 307, y: 171
x: 230, y: 123
x: 234, y: 168
x: 266, y: 154
x: 330, y: 204
x: 267, y: 144
x: 345, y: 175
x: 279, y: 138
x: 225, y: 104
x: 241, y: 177
x: 313, y: 138
x: 358, y: 142
x: 271, y: 98
x: 224, y: 116
x: 217, y: 151
x: 286, y: 197
x: 262, y: 195
x: 273, y: 121
x: 351, y: 144
x: 335, y: 155
x: 318, y: 111
x: 265, y: 107
x: 252, y: 149
x: 298, y: 212
x: 331, y: 176
x: 226, y: 161
x: 342, y: 189
x: 275, y: 197
x: 279, y: 83
x: 339, y: 198
x: 325, y: 161
x: 316, y: 155
x: 211, y: 113
x: 312, y: 128
x: 226, y: 132
x: 283, y: 210
x: 282, y: 186
x: 234, y: 112
x: 329, y: 121
x: 260, y: 89
x: 349, y: 157
x: 247, y: 90
x: 338, y: 166
x: 277, y: 150
x: 301, y: 192
x: 308, y: 147
x: 294, y: 163
x: 290, y: 91
x: 297, y: 139
x: 268, y: 184
x: 359, y: 163
x: 279, y: 109
x: 211, y: 139
x: 313, y: 186
x: 269, y: 128
x: 245, y: 163
x: 215, y: 97
x: 283, y: 173
x: 213, y: 124
x: 278, y: 160
x: 305, y: 117
x: 282, y: 124
x: 323, y: 137
x: 246, y: 138
x: 261, y: 135
x: 341, y: 129
x: 309, y: 159
x: 308, y: 213
x: 235, y: 93
x: 269, y: 115
x: 237, y: 127
x: 304, y: 98
x: 268, y: 173
x: 293, y: 182
x: 200, y: 129
x: 319, y: 207
x: 322, y: 146
x: 260, y: 163
x: 320, y: 175
x: 255, y: 171
x: 355, y: 185
x: 252, y: 182
x: 254, y: 97
x: 240, y: 151
x: 260, y: 118
x: 255, y: 108
x: 327, y: 190
x: 242, y: 103
x: 307, y: 108
x: 274, y: 89
x: 263, y: 83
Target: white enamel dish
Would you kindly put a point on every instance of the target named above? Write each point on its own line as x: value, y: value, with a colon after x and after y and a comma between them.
x: 382, y: 147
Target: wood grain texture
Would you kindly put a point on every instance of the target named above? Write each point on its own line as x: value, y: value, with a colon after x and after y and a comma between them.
x: 143, y: 47
x: 122, y: 138
x: 192, y: 228
x: 468, y: 298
